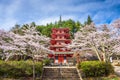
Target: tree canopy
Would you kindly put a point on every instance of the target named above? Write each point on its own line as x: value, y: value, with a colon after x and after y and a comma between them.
x: 71, y: 24
x: 89, y: 21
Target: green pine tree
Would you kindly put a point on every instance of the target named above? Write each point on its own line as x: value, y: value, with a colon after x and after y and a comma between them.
x: 89, y: 20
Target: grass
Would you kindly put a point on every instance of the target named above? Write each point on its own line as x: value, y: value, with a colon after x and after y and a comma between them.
x: 102, y: 78
x: 30, y: 78
x: 116, y: 78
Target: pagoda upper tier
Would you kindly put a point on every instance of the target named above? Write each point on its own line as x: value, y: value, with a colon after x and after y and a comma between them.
x: 60, y: 30
x: 60, y: 37
x: 60, y: 34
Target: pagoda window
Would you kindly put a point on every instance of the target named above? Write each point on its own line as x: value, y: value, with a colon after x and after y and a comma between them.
x: 63, y: 49
x: 57, y: 43
x: 66, y: 49
x: 63, y: 37
x: 58, y: 32
x: 64, y: 57
x: 54, y: 31
x: 51, y: 48
x: 56, y: 57
x: 62, y: 31
x: 67, y: 30
x: 66, y: 42
x: 60, y: 49
x: 63, y: 43
x: 58, y: 37
x: 57, y: 49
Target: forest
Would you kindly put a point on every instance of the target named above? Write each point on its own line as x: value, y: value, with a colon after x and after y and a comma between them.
x: 74, y: 26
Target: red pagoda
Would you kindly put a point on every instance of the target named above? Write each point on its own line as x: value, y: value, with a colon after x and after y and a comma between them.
x: 60, y: 37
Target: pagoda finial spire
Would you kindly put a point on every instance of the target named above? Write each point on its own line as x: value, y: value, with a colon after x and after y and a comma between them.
x: 60, y: 18
x: 60, y: 21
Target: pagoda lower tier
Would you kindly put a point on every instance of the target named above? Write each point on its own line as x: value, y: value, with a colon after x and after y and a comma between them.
x: 61, y: 57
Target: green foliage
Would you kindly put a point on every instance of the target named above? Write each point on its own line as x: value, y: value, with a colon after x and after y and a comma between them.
x: 7, y: 39
x: 111, y: 78
x: 72, y: 25
x: 46, y: 61
x: 95, y: 68
x: 101, y: 78
x: 89, y: 21
x: 17, y: 29
x: 15, y: 69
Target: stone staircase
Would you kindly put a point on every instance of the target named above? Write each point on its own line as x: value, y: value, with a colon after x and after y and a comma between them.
x: 60, y: 73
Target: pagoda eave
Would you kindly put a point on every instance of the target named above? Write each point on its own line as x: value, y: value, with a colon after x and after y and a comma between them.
x: 61, y: 39
x: 57, y: 46
x: 60, y: 34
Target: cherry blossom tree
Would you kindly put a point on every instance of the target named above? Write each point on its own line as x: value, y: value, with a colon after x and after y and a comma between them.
x: 6, y: 44
x: 32, y: 42
x: 116, y: 27
x: 99, y: 41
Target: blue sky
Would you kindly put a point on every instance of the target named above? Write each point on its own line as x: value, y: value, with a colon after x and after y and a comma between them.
x: 45, y: 11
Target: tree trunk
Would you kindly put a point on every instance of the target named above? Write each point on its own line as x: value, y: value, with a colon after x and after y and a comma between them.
x: 104, y: 53
x: 97, y: 53
x: 33, y: 69
x: 96, y: 50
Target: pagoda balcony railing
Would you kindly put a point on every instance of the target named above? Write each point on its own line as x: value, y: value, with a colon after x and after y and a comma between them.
x: 56, y: 34
x: 60, y: 32
x: 61, y: 39
x: 57, y: 46
x: 64, y: 52
x: 58, y: 43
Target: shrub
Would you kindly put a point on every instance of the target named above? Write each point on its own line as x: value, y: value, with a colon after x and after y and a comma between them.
x: 95, y: 68
x: 14, y: 69
x: 46, y: 61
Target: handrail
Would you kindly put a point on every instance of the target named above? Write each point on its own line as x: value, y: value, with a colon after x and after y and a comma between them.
x: 79, y: 74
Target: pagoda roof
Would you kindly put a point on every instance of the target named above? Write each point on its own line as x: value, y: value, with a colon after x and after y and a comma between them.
x: 60, y: 28
x: 60, y: 34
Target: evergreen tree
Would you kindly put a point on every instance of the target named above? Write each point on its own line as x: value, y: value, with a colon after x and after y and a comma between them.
x: 32, y: 24
x: 89, y: 20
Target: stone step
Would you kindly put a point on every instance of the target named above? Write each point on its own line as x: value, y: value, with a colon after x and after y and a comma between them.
x: 58, y: 73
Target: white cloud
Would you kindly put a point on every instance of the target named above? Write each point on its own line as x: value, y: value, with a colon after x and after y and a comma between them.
x: 47, y: 11
x: 7, y: 19
x: 8, y: 24
x: 53, y: 19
